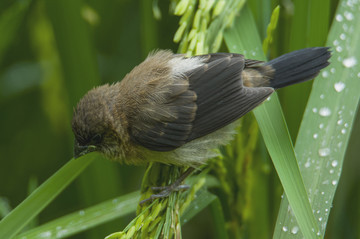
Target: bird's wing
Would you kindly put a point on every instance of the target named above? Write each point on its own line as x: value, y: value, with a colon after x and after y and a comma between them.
x: 221, y: 95
x: 212, y: 97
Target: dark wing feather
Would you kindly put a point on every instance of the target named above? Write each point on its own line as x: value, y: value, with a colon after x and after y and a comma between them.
x: 169, y: 125
x: 221, y: 96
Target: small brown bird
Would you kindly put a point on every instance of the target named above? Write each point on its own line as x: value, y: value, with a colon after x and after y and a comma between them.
x: 176, y: 110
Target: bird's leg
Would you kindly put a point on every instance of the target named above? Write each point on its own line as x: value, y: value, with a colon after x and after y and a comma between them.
x: 166, y: 190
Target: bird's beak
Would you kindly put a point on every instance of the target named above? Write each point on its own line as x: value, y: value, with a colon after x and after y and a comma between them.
x: 80, y: 150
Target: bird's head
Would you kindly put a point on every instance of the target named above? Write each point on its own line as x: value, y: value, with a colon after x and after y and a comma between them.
x: 93, y: 124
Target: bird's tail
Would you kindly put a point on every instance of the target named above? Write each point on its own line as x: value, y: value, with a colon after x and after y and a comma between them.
x: 298, y: 66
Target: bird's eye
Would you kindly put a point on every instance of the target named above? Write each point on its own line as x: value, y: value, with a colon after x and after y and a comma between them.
x: 96, y: 139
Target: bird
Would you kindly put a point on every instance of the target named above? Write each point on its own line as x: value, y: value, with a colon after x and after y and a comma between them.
x: 176, y: 110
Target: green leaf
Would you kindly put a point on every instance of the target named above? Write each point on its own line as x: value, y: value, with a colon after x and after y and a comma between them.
x: 329, y: 116
x: 87, y: 218
x: 42, y: 196
x: 243, y: 38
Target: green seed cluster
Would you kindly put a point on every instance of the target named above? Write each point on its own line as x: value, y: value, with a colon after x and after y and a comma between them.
x: 271, y: 29
x: 202, y: 24
x: 160, y: 219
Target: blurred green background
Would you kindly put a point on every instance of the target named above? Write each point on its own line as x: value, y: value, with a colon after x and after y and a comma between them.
x: 52, y: 52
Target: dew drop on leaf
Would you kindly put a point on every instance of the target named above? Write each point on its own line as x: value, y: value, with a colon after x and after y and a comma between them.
x: 325, y: 111
x: 348, y: 15
x: 324, y: 152
x: 339, y: 86
x: 339, y: 18
x: 349, y: 62
x: 325, y: 74
x: 295, y: 230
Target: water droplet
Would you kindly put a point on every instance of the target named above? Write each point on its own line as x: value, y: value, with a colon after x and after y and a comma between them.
x: 315, y: 136
x: 339, y: 86
x: 325, y: 111
x: 343, y: 131
x: 339, y: 122
x: 81, y: 213
x: 320, y: 219
x: 324, y: 152
x: 45, y: 234
x: 325, y: 74
x: 318, y: 211
x: 314, y: 110
x: 322, y: 96
x: 339, y: 18
x: 285, y: 229
x: 326, y: 209
x: 331, y: 171
x: 322, y: 193
x: 358, y: 75
x: 349, y: 62
x: 346, y: 125
x: 334, y: 182
x: 348, y: 15
x: 307, y: 164
x: 321, y: 125
x: 336, y: 42
x: 295, y: 230
x: 339, y: 49
x: 342, y: 36
x: 334, y: 163
x: 326, y: 202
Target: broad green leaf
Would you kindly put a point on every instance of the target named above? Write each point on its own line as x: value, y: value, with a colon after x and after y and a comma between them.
x: 42, y: 196
x: 243, y: 38
x: 85, y: 219
x: 328, y: 120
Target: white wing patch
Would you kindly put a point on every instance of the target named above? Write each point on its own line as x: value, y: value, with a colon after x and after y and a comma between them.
x: 181, y: 65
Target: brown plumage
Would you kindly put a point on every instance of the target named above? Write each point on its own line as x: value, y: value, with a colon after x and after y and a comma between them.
x: 176, y: 110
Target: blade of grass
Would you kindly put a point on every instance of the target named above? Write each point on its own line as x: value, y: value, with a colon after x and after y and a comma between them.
x: 328, y: 119
x: 42, y: 196
x: 273, y: 128
x: 219, y: 220
x: 85, y: 219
